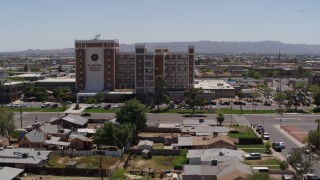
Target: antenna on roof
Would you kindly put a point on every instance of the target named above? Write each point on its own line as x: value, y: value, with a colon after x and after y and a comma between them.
x: 97, y: 36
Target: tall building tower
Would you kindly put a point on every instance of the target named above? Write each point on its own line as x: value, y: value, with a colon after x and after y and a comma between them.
x: 95, y: 65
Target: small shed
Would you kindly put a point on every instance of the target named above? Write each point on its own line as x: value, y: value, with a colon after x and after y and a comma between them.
x: 145, y: 144
x: 146, y: 154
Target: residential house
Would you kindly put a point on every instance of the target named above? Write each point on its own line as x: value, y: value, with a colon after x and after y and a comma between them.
x: 204, y: 130
x: 23, y: 157
x: 70, y: 121
x: 33, y: 139
x: 55, y: 130
x: 206, y: 142
x: 145, y: 144
x: 55, y: 143
x: 80, y: 142
x: 8, y: 173
x: 227, y: 170
x: 204, y: 156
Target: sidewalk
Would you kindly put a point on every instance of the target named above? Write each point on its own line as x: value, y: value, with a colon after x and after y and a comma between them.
x: 71, y: 110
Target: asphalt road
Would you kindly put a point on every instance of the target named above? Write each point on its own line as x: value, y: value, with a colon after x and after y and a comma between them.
x: 271, y: 124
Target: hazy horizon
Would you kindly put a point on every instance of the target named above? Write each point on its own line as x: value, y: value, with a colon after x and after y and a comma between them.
x: 37, y: 24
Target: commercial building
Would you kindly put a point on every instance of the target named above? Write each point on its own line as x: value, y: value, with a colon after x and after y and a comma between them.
x: 100, y: 67
x: 215, y: 89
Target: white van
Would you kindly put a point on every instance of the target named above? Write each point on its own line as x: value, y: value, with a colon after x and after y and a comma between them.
x: 260, y: 169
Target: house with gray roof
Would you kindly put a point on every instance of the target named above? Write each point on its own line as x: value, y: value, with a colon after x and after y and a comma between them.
x: 190, y: 122
x: 204, y: 130
x: 226, y: 170
x: 33, y: 139
x: 70, y: 121
x: 205, y: 156
x: 23, y: 157
x: 55, y: 130
x: 9, y: 173
x: 145, y: 144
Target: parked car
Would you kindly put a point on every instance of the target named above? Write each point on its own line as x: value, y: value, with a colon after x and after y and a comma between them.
x: 85, y: 114
x: 276, y: 146
x: 261, y: 130
x: 108, y: 106
x: 45, y: 105
x: 283, y: 145
x: 117, y: 106
x: 225, y: 103
x: 265, y: 136
x: 68, y: 102
x: 252, y: 156
x: 239, y: 103
x: 54, y: 105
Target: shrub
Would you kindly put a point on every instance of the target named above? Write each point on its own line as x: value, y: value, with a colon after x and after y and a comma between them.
x: 234, y: 132
x: 284, y: 165
x: 252, y: 140
x: 316, y: 110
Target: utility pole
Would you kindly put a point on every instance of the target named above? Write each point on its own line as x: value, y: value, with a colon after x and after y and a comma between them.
x: 279, y: 88
x: 20, y: 116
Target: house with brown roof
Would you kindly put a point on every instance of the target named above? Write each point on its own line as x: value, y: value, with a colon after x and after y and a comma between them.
x: 33, y: 139
x: 206, y: 142
x: 80, y: 142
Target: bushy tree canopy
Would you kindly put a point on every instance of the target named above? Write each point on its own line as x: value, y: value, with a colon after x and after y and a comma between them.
x: 39, y: 93
x: 7, y: 126
x: 132, y: 112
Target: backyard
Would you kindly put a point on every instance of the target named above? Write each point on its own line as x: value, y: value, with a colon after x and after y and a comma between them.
x: 241, y: 132
x: 156, y: 162
x: 90, y: 162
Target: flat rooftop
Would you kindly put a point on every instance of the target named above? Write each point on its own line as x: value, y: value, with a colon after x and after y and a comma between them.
x: 212, y: 84
x: 53, y: 80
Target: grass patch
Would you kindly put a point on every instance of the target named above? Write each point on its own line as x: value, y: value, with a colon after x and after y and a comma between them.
x: 236, y: 111
x: 251, y: 146
x: 58, y: 109
x: 100, y: 110
x: 254, y: 150
x: 57, y: 161
x: 243, y: 132
x: 158, y: 146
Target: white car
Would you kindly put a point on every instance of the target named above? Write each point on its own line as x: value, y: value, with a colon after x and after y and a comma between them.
x: 282, y: 145
x: 266, y: 136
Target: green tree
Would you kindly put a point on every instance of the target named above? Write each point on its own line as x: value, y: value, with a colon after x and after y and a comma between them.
x: 301, y: 161
x: 7, y: 126
x: 267, y: 145
x: 105, y: 135
x: 315, y: 89
x: 60, y: 92
x: 254, y: 74
x: 260, y: 176
x: 255, y: 95
x: 39, y: 93
x: 90, y: 100
x: 193, y: 98
x: 159, y: 91
x: 99, y: 97
x: 132, y: 112
x: 284, y: 165
x: 220, y: 118
x: 118, y: 174
x: 314, y: 135
x: 280, y: 96
x: 297, y: 95
x: 124, y: 135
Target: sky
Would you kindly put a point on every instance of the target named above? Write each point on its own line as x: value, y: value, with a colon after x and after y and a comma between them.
x: 44, y: 24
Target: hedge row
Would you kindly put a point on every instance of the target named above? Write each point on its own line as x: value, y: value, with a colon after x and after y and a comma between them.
x: 256, y: 140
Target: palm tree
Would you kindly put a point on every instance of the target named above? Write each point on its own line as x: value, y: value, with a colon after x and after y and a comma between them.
x: 220, y: 118
x: 192, y: 98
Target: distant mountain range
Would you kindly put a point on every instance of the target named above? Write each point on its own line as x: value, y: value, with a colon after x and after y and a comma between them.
x: 202, y: 47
